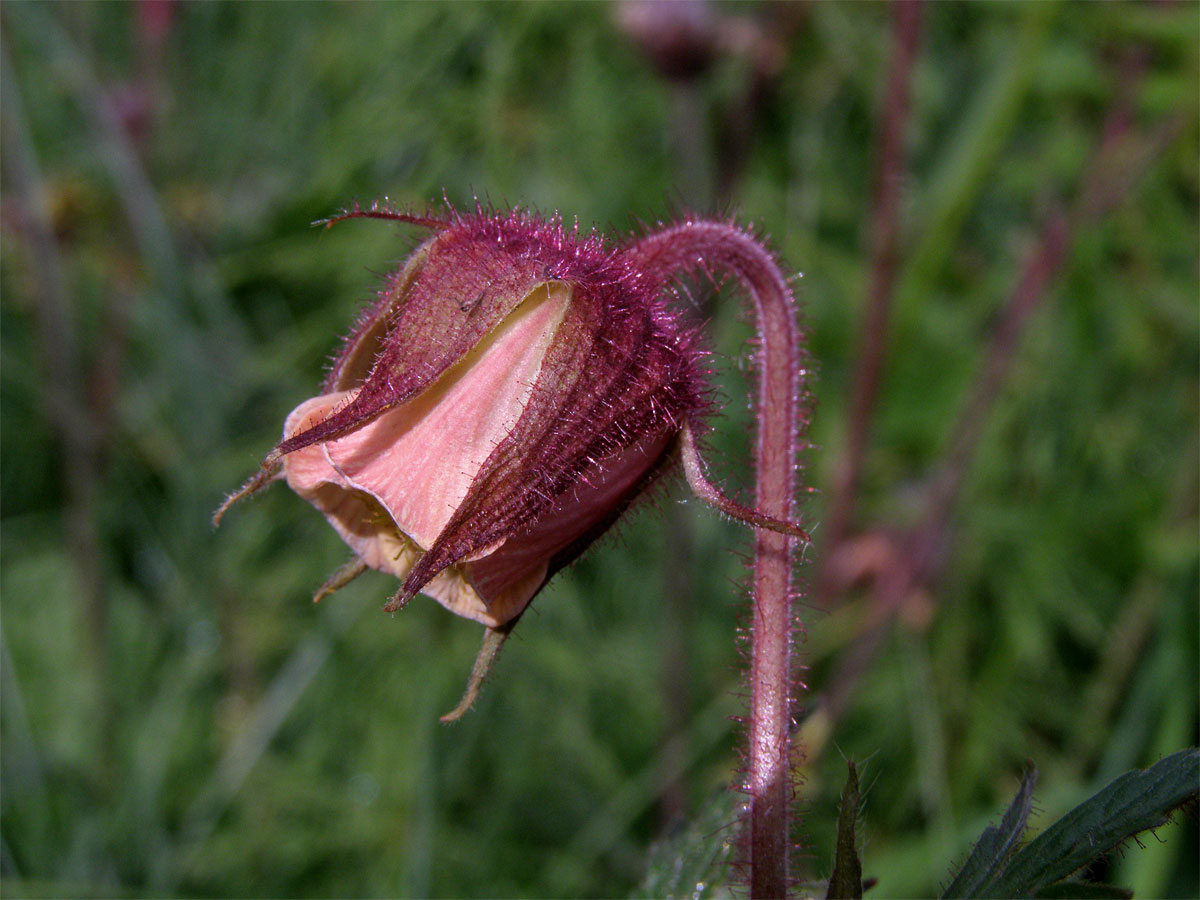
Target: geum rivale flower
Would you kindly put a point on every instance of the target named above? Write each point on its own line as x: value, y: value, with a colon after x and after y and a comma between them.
x: 512, y: 391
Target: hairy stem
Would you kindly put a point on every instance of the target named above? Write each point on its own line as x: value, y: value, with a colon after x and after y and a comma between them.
x: 719, y: 247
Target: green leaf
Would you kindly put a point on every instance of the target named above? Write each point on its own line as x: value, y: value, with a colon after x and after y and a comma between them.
x: 694, y: 861
x: 846, y: 881
x: 1081, y: 890
x: 995, y: 845
x: 1135, y: 802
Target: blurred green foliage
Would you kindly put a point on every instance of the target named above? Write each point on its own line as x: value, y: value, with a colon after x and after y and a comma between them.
x: 178, y: 719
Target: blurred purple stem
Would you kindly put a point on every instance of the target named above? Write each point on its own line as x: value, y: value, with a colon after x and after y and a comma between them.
x: 76, y: 426
x: 1119, y: 159
x: 872, y: 350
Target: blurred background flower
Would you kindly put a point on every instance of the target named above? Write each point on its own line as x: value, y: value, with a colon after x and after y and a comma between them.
x: 995, y: 207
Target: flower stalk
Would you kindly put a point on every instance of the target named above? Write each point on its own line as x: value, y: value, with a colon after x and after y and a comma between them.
x: 718, y: 247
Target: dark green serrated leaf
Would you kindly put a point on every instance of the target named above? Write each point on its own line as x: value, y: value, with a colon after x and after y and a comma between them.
x: 1135, y: 802
x: 996, y: 844
x: 846, y: 881
x: 1081, y: 890
x: 694, y: 861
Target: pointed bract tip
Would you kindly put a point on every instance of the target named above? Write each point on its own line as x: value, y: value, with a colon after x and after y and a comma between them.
x: 382, y: 211
x: 693, y: 468
x: 339, y: 579
x: 264, y: 476
x: 399, y: 600
x: 493, y: 640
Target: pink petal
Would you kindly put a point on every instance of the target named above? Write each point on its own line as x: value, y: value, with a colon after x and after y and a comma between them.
x: 419, y: 459
x: 390, y: 487
x: 355, y: 515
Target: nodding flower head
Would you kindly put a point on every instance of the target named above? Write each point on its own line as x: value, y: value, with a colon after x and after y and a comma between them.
x: 512, y: 390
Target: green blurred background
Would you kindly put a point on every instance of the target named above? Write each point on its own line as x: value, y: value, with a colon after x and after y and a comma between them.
x: 179, y: 719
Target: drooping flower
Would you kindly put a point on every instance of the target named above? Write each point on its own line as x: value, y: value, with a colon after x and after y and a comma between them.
x: 515, y: 387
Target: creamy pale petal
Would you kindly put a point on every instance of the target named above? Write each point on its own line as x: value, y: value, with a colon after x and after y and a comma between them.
x: 355, y: 515
x: 455, y: 589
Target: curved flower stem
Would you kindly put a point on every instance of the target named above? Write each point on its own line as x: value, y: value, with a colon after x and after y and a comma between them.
x: 720, y: 247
